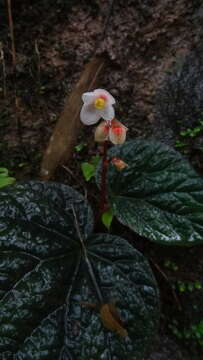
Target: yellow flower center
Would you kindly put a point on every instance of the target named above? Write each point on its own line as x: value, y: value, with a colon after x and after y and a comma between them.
x: 100, y: 103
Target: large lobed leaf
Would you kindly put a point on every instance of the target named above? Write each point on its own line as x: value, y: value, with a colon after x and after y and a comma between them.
x: 50, y: 262
x: 158, y: 195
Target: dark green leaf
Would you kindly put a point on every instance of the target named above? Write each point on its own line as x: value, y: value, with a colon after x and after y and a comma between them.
x: 50, y: 262
x: 123, y: 277
x: 158, y: 195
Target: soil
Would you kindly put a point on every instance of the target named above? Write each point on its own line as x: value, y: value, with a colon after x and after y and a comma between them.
x: 142, y: 40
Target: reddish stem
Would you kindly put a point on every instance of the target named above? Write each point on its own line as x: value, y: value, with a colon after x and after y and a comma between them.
x: 105, y: 163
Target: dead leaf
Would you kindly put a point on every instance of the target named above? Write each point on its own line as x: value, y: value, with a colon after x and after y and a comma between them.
x: 111, y: 320
x: 65, y: 133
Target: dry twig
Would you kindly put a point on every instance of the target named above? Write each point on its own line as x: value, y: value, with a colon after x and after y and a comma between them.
x: 10, y: 19
x: 168, y: 281
x: 3, y: 68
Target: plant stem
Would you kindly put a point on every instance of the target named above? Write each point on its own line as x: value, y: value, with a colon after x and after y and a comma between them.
x: 105, y: 163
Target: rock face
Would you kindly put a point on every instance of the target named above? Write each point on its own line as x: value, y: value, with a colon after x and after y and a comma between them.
x: 142, y: 38
x: 179, y: 102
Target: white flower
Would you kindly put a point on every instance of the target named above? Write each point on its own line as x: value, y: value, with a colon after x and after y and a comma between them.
x: 97, y: 105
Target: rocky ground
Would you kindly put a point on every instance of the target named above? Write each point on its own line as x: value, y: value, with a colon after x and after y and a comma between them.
x: 143, y: 40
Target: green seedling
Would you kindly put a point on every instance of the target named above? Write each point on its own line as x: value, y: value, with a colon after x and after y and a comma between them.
x: 198, y: 285
x: 180, y: 144
x: 171, y: 265
x: 194, y: 332
x: 5, y: 179
x: 192, y: 132
x: 80, y: 147
x: 188, y: 286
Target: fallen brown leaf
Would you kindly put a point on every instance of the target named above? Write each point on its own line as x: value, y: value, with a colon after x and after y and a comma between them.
x: 65, y: 133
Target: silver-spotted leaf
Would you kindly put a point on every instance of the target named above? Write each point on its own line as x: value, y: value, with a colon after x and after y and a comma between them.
x: 50, y: 263
x: 158, y: 195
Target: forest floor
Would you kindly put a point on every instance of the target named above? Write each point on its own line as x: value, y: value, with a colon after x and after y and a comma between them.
x: 142, y: 41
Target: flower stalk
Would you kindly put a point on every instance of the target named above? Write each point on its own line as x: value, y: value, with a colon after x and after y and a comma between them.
x: 97, y: 105
x: 105, y: 164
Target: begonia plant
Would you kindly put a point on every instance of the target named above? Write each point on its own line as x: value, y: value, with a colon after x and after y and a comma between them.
x: 148, y: 186
x: 70, y: 292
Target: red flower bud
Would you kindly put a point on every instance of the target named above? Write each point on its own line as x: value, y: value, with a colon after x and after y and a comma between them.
x: 119, y: 164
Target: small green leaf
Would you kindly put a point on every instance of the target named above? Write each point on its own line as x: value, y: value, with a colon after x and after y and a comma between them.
x: 88, y: 170
x: 3, y: 172
x: 107, y: 218
x: 184, y: 133
x: 180, y: 144
x: 182, y: 287
x: 197, y: 129
x: 80, y: 147
x: 6, y: 181
x: 4, y: 178
x: 198, y: 285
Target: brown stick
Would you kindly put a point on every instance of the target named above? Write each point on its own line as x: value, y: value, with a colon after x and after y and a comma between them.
x: 67, y: 128
x: 3, y: 68
x: 10, y: 19
x: 168, y: 281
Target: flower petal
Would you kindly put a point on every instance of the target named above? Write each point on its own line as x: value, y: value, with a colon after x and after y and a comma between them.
x: 116, y: 123
x: 101, y: 132
x: 117, y: 132
x: 108, y: 113
x: 88, y: 97
x: 101, y: 92
x: 89, y: 115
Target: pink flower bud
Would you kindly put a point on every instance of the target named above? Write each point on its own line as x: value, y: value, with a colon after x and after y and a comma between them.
x: 117, y: 132
x: 102, y: 132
